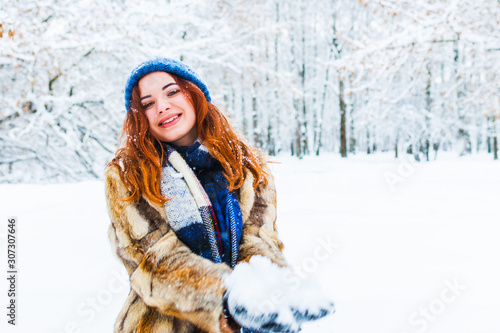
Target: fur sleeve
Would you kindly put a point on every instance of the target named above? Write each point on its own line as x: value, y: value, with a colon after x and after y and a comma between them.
x: 163, y: 271
x: 260, y: 235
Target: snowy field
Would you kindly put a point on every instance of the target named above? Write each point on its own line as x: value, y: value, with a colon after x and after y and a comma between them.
x: 400, y: 247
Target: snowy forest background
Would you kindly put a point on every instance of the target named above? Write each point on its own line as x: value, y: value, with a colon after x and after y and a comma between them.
x: 297, y: 77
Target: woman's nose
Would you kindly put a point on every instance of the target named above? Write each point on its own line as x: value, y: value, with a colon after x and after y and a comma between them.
x: 163, y: 105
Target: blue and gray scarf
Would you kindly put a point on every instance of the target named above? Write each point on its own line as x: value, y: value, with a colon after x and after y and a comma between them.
x: 202, y: 212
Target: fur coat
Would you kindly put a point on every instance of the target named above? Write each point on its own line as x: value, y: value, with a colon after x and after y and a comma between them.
x: 171, y: 288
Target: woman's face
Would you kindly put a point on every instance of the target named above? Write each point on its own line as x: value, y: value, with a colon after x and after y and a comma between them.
x: 169, y: 110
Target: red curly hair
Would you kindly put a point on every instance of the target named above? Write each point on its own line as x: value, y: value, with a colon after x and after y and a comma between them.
x: 139, y: 162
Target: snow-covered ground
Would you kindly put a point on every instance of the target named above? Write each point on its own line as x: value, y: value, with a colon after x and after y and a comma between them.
x: 401, y: 247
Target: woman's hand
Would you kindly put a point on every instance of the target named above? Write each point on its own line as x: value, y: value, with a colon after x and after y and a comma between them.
x: 265, y: 297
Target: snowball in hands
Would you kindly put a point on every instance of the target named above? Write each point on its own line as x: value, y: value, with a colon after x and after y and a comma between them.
x: 269, y: 298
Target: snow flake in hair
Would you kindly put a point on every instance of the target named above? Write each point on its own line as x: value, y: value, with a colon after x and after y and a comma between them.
x: 168, y: 65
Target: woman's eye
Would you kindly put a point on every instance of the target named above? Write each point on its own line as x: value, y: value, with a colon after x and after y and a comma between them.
x: 172, y: 93
x: 147, y: 106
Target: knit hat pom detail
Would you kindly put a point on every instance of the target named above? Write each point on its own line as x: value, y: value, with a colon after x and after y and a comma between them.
x: 168, y: 65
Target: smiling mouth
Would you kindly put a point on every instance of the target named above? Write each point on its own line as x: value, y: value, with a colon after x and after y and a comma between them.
x: 169, y: 120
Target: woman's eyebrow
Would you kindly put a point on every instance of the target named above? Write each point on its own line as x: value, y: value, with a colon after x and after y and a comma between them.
x: 168, y: 85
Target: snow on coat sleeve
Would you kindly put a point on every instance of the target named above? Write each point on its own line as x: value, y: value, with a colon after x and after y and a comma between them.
x: 260, y: 235
x: 163, y: 271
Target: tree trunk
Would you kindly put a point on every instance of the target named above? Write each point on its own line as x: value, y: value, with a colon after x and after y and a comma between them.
x: 462, y: 132
x: 428, y: 102
x: 343, y: 137
x: 495, y: 148
x: 255, y: 120
x: 495, y: 140
x: 304, y: 123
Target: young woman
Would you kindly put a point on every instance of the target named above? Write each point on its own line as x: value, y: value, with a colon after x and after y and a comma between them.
x: 188, y: 200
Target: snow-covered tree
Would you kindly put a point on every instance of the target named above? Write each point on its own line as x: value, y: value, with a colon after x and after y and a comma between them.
x: 302, y: 77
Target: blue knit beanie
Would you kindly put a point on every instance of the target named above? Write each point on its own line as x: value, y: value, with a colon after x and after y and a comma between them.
x: 168, y: 65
